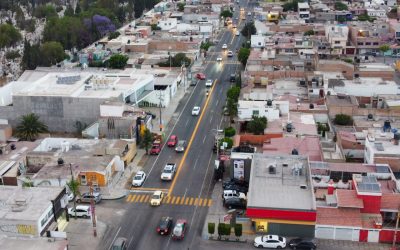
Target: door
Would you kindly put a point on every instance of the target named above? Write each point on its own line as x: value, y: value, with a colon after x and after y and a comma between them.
x: 363, y: 235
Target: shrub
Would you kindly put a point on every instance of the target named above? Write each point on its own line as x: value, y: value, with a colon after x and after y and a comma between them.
x: 229, y: 132
x: 342, y: 119
x: 238, y: 230
x: 228, y: 140
x: 211, y: 228
x: 11, y: 55
x: 113, y: 35
x: 257, y: 125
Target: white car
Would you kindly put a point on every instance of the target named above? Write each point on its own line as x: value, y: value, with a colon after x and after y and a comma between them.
x: 270, y: 241
x: 196, y: 110
x: 168, y: 172
x: 224, y: 46
x: 81, y: 211
x: 138, y: 179
x: 219, y: 59
x: 237, y: 33
x: 233, y: 193
x: 249, y: 13
x: 230, y: 53
x: 209, y: 83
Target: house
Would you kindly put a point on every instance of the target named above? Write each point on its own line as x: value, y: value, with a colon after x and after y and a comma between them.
x: 307, y: 146
x: 340, y: 104
x: 337, y: 37
x: 269, y: 109
x: 363, y: 87
x: 167, y: 24
x: 32, y: 211
x: 304, y: 10
x: 280, y: 199
x: 367, y: 37
x: 351, y: 144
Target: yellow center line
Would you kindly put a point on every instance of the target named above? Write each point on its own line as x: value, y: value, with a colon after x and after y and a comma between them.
x: 171, y: 189
x: 187, y: 200
x: 196, y: 201
x: 137, y: 198
x: 182, y: 201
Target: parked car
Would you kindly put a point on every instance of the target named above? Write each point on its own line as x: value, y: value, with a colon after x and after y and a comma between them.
x: 168, y: 172
x: 164, y: 227
x: 235, y: 202
x: 249, y: 13
x: 155, y: 149
x: 87, y: 197
x: 227, y: 194
x: 233, y: 186
x: 180, y: 147
x: 232, y: 78
x: 178, y: 233
x: 230, y: 53
x: 200, y: 76
x: 270, y: 241
x: 209, y: 83
x: 299, y: 243
x: 156, y: 198
x: 173, y: 139
x: 224, y: 46
x: 81, y: 211
x: 119, y: 244
x: 138, y: 179
x: 195, y: 111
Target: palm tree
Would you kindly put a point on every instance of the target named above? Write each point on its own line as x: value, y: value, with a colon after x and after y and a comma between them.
x: 73, y: 186
x: 30, y: 126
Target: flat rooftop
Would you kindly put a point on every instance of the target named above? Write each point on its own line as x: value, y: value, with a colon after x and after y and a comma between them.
x: 276, y: 182
x: 26, y: 203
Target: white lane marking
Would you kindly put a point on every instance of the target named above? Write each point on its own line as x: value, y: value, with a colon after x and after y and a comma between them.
x: 217, y: 103
x: 204, y: 138
x: 130, y: 241
x: 114, y: 238
x: 184, y: 195
x: 186, y: 123
x: 195, y: 163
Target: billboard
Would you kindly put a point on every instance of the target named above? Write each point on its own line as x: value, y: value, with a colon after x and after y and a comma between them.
x: 238, y: 169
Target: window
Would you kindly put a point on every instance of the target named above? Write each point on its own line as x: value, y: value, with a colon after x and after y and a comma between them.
x: 360, y: 43
x: 376, y: 43
x: 367, y: 43
x: 256, y: 112
x: 337, y: 42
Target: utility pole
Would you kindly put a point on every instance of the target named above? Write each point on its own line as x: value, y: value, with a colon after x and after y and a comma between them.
x: 159, y: 105
x: 395, y: 231
x: 92, y: 209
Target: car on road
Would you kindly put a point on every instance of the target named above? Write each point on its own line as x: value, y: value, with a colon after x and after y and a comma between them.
x: 173, y: 139
x: 156, y: 198
x: 227, y: 194
x: 236, y: 187
x: 209, y: 83
x: 200, y: 76
x: 81, y: 211
x: 270, y: 241
x: 87, y: 198
x: 155, y: 149
x: 237, y: 33
x: 178, y: 233
x: 249, y: 13
x: 235, y: 202
x: 299, y: 243
x: 196, y: 110
x: 232, y: 78
x: 180, y: 147
x: 164, y: 227
x: 168, y: 172
x: 119, y: 244
x: 224, y: 46
x: 138, y: 179
x: 219, y: 59
x: 230, y: 53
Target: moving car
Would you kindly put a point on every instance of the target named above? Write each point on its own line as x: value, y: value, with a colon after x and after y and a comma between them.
x: 224, y: 46
x: 168, y: 172
x: 230, y: 53
x: 270, y: 241
x: 119, y: 244
x: 219, y: 59
x: 138, y: 179
x: 155, y: 149
x: 157, y: 198
x: 178, y: 233
x: 249, y: 13
x: 200, y: 76
x: 232, y: 78
x: 209, y: 83
x: 81, y: 211
x: 165, y: 225
x: 173, y: 140
x: 235, y: 202
x: 87, y: 197
x: 196, y: 110
x: 227, y: 194
x: 237, y: 33
x: 299, y: 243
x: 180, y: 147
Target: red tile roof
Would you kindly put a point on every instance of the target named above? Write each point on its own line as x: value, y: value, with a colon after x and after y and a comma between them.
x: 348, y: 198
x: 350, y: 217
x: 390, y: 202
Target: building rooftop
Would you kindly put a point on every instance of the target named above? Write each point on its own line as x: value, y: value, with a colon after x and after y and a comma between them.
x: 341, y: 100
x: 28, y: 203
x: 302, y: 123
x: 348, y: 198
x: 349, y: 217
x: 280, y: 182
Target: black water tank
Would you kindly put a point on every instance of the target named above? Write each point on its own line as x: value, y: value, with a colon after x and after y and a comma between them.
x: 13, y: 147
x: 370, y: 116
x: 60, y: 161
x: 295, y: 152
x: 289, y: 127
x: 302, y: 82
x: 311, y: 105
x: 269, y: 102
x: 396, y: 136
x: 386, y: 124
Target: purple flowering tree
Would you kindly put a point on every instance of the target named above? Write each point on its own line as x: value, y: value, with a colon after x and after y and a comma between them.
x: 99, y: 25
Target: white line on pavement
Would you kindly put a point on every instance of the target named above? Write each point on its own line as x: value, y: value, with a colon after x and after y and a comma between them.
x: 204, y: 138
x: 114, y: 238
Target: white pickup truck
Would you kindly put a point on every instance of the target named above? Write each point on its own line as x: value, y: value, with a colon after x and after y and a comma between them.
x: 168, y: 172
x: 233, y: 193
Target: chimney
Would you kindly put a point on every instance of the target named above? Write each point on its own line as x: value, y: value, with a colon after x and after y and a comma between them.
x: 331, y: 187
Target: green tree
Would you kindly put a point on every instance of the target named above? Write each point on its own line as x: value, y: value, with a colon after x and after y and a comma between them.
x: 290, y: 6
x: 205, y: 45
x: 31, y: 58
x: 30, y: 126
x: 51, y: 53
x: 226, y: 13
x: 238, y: 230
x: 73, y: 186
x: 78, y: 8
x: 69, y: 11
x: 231, y: 107
x: 9, y: 35
x: 113, y: 35
x: 229, y: 132
x: 20, y: 18
x: 309, y: 33
x: 154, y: 27
x: 147, y: 140
x: 27, y: 182
x: 228, y: 141
x: 340, y: 6
x: 243, y: 55
x: 45, y: 11
x: 181, y: 6
x: 257, y: 125
x: 248, y: 30
x: 13, y: 54
x: 233, y: 93
x: 117, y: 61
x: 384, y: 48
x: 343, y: 120
x: 365, y: 17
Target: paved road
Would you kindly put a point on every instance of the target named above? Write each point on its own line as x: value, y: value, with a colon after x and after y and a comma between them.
x: 195, y: 166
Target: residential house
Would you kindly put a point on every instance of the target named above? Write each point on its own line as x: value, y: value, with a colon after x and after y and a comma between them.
x: 337, y: 38
x: 303, y: 10
x: 368, y: 37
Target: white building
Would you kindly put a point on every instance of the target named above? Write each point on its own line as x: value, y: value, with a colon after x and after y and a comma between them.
x: 304, y: 10
x: 376, y: 11
x: 257, y: 41
x: 269, y: 109
x: 367, y: 87
x: 167, y: 23
x: 337, y: 36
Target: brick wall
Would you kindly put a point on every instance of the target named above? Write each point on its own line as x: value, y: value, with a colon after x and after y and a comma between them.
x: 255, y: 139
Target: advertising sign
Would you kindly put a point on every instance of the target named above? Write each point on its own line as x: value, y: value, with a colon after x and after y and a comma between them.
x: 238, y: 169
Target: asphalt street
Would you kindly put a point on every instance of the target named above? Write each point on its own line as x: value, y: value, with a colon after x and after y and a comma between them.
x: 195, y: 166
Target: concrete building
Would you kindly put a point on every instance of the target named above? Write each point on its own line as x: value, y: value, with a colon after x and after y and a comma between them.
x: 363, y: 86
x: 337, y: 38
x: 269, y: 109
x: 304, y: 10
x: 32, y: 211
x: 281, y: 198
x: 62, y: 99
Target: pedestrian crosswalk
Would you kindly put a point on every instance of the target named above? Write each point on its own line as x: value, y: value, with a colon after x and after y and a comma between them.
x: 171, y: 200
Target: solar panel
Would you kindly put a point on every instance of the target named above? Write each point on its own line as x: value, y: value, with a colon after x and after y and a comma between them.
x: 369, y: 180
x: 379, y: 147
x: 369, y: 187
x: 382, y: 169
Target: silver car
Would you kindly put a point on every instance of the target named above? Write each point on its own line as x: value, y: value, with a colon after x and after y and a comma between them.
x: 180, y: 147
x: 87, y: 197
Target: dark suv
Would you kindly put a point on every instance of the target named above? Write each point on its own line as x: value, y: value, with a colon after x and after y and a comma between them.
x: 232, y: 78
x: 299, y: 243
x: 165, y: 225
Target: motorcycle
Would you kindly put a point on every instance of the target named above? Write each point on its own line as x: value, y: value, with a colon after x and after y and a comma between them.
x: 207, y: 93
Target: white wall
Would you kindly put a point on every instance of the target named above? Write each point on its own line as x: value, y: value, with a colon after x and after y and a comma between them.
x: 257, y: 41
x: 111, y: 110
x: 6, y: 94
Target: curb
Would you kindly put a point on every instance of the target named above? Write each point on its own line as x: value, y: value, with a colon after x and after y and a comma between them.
x: 228, y: 240
x: 114, y: 198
